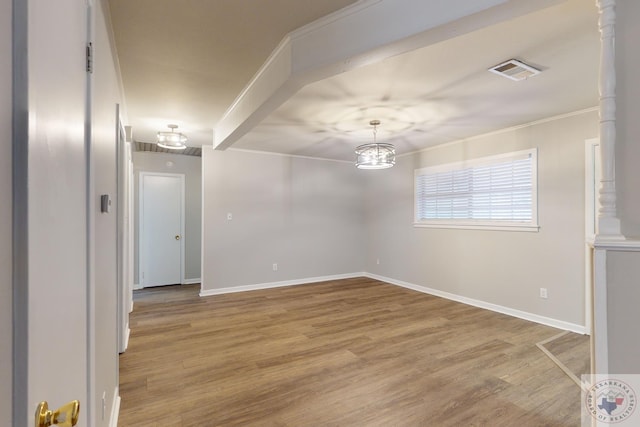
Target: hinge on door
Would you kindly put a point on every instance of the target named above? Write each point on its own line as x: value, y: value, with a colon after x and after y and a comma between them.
x: 89, y: 57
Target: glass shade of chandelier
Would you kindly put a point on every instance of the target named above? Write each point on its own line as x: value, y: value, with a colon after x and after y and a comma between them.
x: 375, y: 155
x: 171, y: 140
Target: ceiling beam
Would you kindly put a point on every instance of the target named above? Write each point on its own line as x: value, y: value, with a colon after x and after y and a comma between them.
x: 364, y: 33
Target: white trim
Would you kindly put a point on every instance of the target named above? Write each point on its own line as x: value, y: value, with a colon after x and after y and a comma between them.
x: 124, y: 227
x: 469, y: 226
x: 554, y: 359
x: 500, y: 131
x: 191, y: 281
x: 115, y: 408
x: 183, y: 225
x: 617, y: 245
x: 296, y: 156
x: 600, y: 341
x: 295, y: 282
x: 591, y: 208
x: 91, y: 192
x: 318, y: 24
x: 560, y: 324
x: 127, y: 334
x: 136, y: 287
x: 203, y: 225
x: 591, y: 188
x: 480, y: 161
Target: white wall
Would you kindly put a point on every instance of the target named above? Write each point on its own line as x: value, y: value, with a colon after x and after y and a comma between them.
x: 6, y: 277
x: 106, y: 94
x: 305, y: 215
x: 310, y: 217
x: 191, y: 167
x: 499, y: 267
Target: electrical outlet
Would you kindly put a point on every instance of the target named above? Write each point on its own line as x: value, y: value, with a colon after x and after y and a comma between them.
x: 275, y: 267
x: 543, y: 293
x: 378, y: 261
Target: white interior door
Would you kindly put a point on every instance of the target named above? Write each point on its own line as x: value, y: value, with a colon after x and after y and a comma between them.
x: 50, y: 239
x: 161, y: 229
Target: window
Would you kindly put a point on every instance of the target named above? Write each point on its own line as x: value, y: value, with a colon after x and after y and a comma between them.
x: 497, y: 192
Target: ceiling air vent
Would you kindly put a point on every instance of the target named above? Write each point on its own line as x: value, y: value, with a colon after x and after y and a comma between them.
x: 514, y: 70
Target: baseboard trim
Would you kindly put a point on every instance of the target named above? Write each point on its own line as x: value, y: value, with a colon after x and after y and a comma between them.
x: 127, y: 334
x: 295, y: 282
x: 560, y: 324
x: 191, y: 281
x: 115, y: 409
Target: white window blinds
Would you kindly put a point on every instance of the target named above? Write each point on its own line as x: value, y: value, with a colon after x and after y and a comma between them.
x: 498, y: 190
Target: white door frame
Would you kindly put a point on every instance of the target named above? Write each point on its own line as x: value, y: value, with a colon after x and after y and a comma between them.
x: 591, y: 204
x: 125, y: 234
x: 141, y: 254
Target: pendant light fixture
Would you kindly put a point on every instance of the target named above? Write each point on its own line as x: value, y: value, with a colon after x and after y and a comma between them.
x: 172, y: 140
x: 375, y: 155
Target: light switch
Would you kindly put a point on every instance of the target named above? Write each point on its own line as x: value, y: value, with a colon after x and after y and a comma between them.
x: 105, y: 203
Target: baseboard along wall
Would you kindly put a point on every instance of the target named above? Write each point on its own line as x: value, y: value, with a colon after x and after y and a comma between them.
x: 560, y: 324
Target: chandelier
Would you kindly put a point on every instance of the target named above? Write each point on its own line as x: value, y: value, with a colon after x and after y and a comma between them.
x: 375, y: 155
x: 171, y: 140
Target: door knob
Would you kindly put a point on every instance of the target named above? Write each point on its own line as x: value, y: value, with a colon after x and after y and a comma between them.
x: 64, y: 416
x: 177, y: 237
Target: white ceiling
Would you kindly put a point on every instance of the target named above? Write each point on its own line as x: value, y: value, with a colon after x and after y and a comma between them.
x: 185, y: 61
x: 432, y: 95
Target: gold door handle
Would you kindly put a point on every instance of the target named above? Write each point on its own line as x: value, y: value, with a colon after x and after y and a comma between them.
x: 64, y: 416
x: 177, y: 237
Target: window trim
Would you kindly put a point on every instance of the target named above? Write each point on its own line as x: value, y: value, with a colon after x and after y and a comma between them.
x: 471, y: 224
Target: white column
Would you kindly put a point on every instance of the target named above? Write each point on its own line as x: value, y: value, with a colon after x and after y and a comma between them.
x: 608, y: 221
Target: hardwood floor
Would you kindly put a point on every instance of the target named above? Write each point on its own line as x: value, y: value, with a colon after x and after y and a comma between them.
x: 354, y: 352
x: 568, y: 351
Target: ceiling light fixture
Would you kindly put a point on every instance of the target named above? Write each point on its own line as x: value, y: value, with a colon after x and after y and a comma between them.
x: 172, y: 140
x: 375, y: 155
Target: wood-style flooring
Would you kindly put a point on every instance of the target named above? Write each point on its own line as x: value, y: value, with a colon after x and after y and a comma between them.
x: 568, y: 351
x: 355, y: 352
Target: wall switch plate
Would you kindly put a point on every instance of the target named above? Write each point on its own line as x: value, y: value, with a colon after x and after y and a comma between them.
x: 275, y: 267
x: 229, y: 216
x: 543, y: 293
x: 105, y: 203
